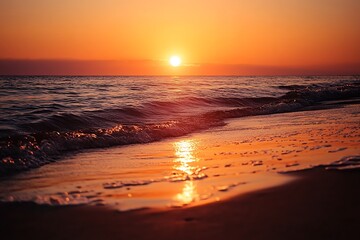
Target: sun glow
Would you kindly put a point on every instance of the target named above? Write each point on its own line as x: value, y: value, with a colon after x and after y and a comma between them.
x: 175, y: 61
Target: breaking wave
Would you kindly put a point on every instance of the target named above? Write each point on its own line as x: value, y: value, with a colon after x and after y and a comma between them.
x: 47, y: 140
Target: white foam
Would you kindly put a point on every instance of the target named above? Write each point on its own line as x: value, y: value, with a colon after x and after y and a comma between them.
x: 345, y: 163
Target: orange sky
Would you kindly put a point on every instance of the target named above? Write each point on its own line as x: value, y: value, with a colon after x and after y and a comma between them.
x: 212, y: 37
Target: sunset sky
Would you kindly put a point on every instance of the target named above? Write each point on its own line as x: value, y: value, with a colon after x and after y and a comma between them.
x: 242, y: 37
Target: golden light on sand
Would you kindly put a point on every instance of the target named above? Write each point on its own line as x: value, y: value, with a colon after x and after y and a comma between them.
x: 175, y: 61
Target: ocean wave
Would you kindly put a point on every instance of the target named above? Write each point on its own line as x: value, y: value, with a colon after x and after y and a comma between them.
x: 48, y: 140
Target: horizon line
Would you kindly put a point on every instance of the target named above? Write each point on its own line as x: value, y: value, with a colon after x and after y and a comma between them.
x: 182, y: 75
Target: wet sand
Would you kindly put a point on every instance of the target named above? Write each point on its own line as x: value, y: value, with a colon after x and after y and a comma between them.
x: 320, y: 204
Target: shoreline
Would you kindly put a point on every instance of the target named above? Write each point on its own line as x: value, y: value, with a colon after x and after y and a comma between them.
x: 243, y: 156
x: 319, y: 204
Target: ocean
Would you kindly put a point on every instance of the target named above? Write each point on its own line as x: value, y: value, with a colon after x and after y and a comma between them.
x: 139, y: 141
x: 44, y: 117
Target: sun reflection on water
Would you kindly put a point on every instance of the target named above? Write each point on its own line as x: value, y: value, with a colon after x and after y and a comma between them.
x: 184, y: 164
x: 184, y: 152
x: 189, y: 193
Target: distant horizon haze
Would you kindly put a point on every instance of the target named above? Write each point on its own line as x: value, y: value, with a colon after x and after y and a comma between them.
x: 158, y: 68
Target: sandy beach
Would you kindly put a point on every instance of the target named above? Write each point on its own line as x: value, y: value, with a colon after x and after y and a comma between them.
x: 320, y: 204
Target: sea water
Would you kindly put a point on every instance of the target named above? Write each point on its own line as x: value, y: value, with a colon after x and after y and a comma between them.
x: 169, y: 136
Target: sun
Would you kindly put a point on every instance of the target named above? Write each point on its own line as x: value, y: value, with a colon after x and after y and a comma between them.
x: 175, y: 61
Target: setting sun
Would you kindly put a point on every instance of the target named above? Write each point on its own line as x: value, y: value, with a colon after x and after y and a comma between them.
x: 181, y: 119
x: 175, y: 61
